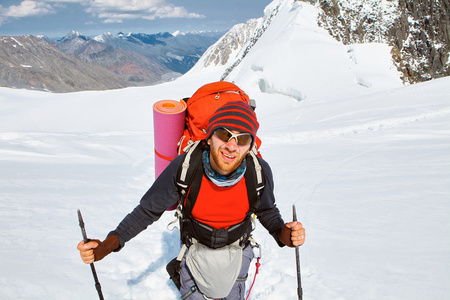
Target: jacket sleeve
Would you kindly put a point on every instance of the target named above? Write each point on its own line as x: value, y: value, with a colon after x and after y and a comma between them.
x: 161, y: 195
x: 267, y: 212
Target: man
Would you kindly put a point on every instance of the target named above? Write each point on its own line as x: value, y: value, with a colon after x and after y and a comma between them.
x: 222, y: 203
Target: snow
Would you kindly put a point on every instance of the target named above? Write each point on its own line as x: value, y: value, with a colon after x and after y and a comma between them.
x: 177, y: 33
x: 366, y: 165
x: 17, y: 43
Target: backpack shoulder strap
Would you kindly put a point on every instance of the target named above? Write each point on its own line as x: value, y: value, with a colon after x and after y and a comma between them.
x: 189, y: 178
x: 183, y: 170
x: 255, y: 180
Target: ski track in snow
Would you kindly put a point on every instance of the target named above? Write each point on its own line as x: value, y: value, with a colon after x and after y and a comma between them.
x: 361, y: 127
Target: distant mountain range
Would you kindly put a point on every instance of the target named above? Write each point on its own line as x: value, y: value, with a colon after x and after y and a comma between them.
x: 31, y: 63
x: 416, y: 30
x: 77, y: 62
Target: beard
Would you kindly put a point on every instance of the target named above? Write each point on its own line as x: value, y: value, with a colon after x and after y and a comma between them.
x: 226, y: 157
x: 221, y: 166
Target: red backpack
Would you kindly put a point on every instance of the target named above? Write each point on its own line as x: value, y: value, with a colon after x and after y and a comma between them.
x: 203, y: 103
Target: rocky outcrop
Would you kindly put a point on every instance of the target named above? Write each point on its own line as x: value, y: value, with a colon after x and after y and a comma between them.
x: 421, y: 39
x: 417, y: 30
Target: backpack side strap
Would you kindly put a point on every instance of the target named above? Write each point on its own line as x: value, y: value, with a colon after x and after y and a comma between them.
x: 189, y: 178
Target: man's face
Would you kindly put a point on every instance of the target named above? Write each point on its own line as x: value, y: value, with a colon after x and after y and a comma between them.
x: 225, y: 157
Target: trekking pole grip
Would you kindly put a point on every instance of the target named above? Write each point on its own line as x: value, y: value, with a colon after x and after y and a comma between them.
x: 98, y: 287
x: 297, y: 259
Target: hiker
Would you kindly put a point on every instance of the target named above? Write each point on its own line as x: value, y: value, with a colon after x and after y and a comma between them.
x: 216, y: 230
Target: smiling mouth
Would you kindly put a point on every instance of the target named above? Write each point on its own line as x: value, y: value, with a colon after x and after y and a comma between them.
x: 228, y: 157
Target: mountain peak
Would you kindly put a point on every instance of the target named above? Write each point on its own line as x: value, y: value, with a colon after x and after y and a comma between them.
x: 74, y: 35
x: 418, y: 51
x: 176, y: 33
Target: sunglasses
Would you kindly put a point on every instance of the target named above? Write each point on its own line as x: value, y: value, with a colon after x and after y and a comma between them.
x: 242, y: 139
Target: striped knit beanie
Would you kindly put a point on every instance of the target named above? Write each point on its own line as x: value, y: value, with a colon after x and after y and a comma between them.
x: 235, y: 115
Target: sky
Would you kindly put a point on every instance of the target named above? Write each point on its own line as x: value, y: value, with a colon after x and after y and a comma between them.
x: 56, y: 18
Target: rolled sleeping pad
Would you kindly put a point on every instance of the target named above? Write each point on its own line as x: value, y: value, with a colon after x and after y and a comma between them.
x: 169, y: 117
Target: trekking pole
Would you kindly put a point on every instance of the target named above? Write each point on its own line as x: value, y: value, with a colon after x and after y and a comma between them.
x: 297, y: 258
x: 94, y: 273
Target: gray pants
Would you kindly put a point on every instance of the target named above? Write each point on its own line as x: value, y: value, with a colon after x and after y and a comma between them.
x: 190, y: 291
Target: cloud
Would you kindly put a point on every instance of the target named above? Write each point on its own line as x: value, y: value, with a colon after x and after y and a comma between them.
x: 116, y: 11
x: 110, y: 11
x: 67, y: 1
x: 25, y: 9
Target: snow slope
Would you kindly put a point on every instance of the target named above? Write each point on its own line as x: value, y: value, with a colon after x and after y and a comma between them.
x: 367, y: 166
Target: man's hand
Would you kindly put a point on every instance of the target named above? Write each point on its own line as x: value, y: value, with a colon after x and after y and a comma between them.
x: 292, y: 234
x: 95, y: 250
x: 87, y: 250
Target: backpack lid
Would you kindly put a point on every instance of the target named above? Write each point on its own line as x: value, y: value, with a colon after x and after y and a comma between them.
x: 205, y: 101
x: 218, y: 87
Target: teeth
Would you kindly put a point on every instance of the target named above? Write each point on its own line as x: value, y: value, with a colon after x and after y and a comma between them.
x: 228, y: 155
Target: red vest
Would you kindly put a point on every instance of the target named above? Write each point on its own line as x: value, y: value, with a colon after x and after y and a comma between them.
x: 221, y: 207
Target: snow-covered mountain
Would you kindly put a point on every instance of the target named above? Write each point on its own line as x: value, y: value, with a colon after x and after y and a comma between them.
x: 287, y: 52
x: 364, y: 159
x: 142, y: 59
x: 415, y: 31
x: 136, y: 69
x: 176, y: 52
